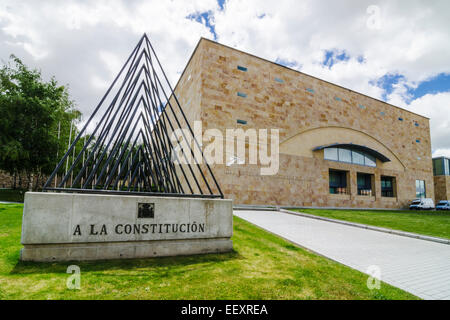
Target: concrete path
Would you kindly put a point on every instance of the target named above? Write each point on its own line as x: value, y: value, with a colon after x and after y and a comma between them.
x: 417, y: 266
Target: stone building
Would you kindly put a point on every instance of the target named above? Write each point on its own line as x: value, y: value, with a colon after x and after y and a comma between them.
x: 441, y: 171
x: 338, y: 148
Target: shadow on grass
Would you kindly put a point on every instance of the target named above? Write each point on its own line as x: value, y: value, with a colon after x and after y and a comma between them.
x: 157, y: 263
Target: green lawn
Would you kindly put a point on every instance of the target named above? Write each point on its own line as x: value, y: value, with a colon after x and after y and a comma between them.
x: 262, y: 266
x: 431, y: 223
x: 11, y: 195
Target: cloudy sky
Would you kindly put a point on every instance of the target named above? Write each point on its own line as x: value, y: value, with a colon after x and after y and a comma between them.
x: 397, y: 51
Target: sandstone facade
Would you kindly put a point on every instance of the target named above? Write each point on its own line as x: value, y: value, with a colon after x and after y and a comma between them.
x: 442, y: 188
x: 226, y: 88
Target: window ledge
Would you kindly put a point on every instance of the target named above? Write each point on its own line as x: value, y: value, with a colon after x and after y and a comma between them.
x: 370, y: 198
x: 391, y: 199
x: 339, y: 196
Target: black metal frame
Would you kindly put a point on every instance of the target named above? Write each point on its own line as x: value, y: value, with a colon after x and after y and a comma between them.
x: 130, y: 151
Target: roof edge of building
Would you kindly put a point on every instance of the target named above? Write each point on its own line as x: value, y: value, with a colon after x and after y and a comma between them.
x: 308, y: 75
x: 186, y: 66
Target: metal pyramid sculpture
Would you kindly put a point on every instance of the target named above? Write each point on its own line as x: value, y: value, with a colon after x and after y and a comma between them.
x: 128, y: 149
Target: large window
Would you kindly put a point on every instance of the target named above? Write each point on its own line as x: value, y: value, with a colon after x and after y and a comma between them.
x: 364, y: 184
x: 441, y: 167
x: 387, y: 186
x: 420, y: 189
x: 338, y: 182
x: 349, y: 156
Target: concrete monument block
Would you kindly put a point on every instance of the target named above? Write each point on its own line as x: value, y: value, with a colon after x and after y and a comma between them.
x: 69, y: 226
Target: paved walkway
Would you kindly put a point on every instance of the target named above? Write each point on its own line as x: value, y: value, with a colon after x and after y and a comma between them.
x: 417, y: 266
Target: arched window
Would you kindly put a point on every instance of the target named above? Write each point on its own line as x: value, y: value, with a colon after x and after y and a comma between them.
x: 349, y: 155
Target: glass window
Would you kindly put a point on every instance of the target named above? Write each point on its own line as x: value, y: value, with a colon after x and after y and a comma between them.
x: 437, y: 167
x: 345, y: 155
x: 338, y: 182
x: 350, y: 156
x: 364, y: 184
x: 441, y: 166
x: 331, y: 154
x: 370, y: 161
x: 420, y: 189
x: 387, y: 186
x: 279, y: 80
x: 358, y: 157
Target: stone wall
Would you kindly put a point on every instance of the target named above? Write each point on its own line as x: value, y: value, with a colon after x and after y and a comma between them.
x: 442, y: 188
x: 7, y: 181
x: 297, y: 104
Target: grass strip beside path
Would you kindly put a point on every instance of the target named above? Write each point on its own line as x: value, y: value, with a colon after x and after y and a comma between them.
x: 430, y: 223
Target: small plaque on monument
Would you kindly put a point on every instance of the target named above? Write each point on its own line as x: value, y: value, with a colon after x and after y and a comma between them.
x: 146, y: 210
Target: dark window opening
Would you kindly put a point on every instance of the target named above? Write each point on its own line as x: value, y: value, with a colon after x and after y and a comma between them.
x: 441, y: 167
x: 364, y: 184
x: 387, y: 187
x: 338, y: 182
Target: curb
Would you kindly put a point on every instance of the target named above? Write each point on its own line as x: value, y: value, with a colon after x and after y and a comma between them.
x: 364, y: 226
x: 255, y: 208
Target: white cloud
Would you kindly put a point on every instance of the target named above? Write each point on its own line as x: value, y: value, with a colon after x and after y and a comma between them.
x: 412, y: 40
x: 437, y: 108
x: 83, y: 43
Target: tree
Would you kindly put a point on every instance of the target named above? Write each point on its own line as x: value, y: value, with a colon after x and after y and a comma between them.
x: 33, y: 114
